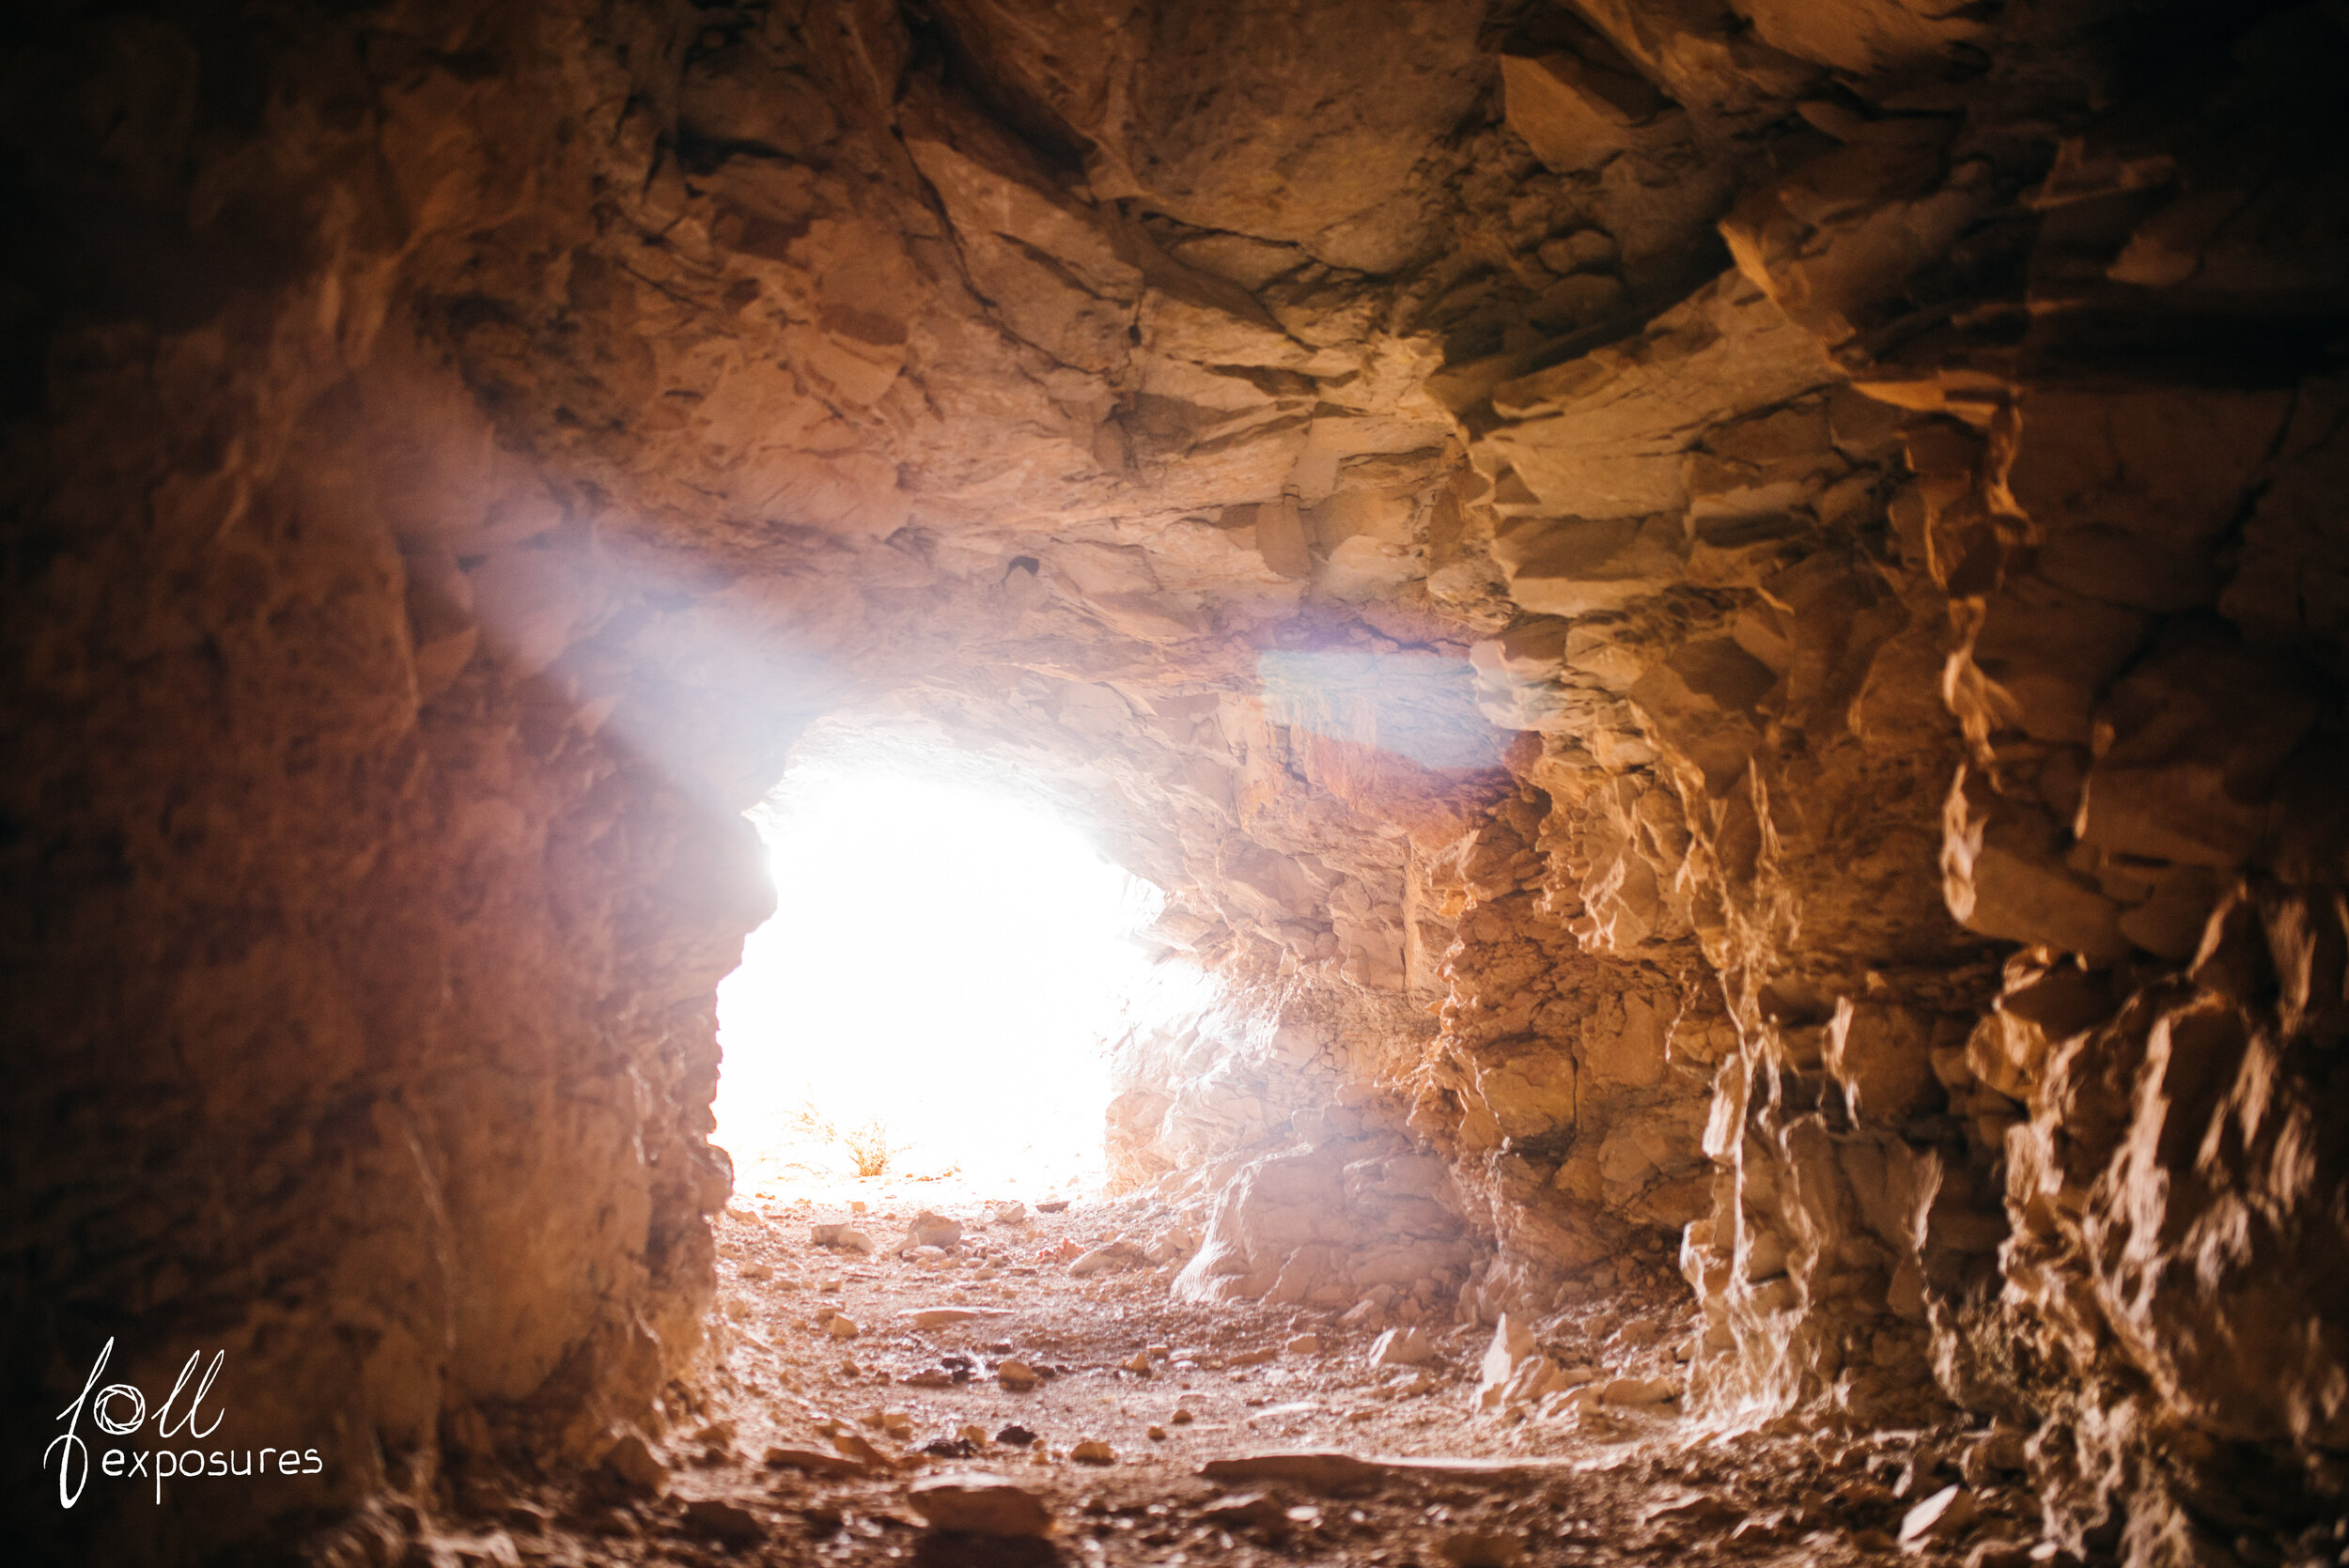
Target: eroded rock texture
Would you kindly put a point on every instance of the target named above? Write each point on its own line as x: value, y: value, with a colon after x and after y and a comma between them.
x: 1724, y: 622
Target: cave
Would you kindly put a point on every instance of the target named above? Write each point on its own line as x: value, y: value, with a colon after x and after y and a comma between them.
x: 1707, y: 630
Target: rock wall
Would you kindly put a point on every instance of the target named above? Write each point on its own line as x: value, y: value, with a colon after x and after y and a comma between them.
x: 1722, y: 623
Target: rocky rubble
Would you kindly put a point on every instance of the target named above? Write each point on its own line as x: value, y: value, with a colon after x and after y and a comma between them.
x: 1121, y: 1465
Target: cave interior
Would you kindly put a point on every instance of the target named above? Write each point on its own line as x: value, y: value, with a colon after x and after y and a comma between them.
x: 1710, y: 624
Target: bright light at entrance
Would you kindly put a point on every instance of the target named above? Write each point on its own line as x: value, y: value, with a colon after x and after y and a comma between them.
x: 947, y: 963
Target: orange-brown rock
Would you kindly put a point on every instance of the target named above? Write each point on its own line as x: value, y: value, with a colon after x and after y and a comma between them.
x: 1723, y: 624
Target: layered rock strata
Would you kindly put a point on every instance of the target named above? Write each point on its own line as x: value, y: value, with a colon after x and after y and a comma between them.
x: 1723, y: 625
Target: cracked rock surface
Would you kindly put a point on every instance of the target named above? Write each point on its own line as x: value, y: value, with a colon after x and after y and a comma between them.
x: 1723, y: 623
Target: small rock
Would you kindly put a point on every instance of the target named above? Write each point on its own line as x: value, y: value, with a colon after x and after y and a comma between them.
x: 1254, y: 1357
x: 973, y: 1433
x: 724, y: 1522
x: 2000, y: 1452
x: 979, y: 1503
x: 1288, y: 1410
x: 1017, y: 1376
x: 1639, y: 1390
x: 1242, y: 1509
x: 1364, y: 1314
x: 1182, y: 1417
x: 1580, y: 251
x: 1052, y: 1205
x: 1093, y: 1452
x: 932, y: 1230
x: 630, y: 1462
x: 1303, y: 1345
x: 1514, y: 1372
x: 1940, y: 1517
x: 1156, y: 1434
x: 943, y: 1318
x: 1401, y: 1347
x: 856, y: 1205
x: 841, y: 1326
x: 1864, y: 1494
x: 1010, y: 1213
x: 847, y: 1238
x: 1138, y: 1363
x: 758, y: 1273
x: 1117, y: 1255
x: 1016, y: 1436
x: 1477, y: 1549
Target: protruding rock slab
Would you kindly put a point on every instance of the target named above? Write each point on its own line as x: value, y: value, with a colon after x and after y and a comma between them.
x: 946, y: 1318
x: 1315, y: 1470
x: 1335, y: 1470
x: 817, y: 1460
x: 979, y: 1503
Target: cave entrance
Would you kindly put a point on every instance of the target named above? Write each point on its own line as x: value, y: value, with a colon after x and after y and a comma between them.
x: 933, y: 1002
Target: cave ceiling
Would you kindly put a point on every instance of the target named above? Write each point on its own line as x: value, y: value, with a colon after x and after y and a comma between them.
x: 1722, y: 620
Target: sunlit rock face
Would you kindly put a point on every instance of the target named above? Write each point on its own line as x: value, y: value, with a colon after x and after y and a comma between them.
x: 1723, y: 624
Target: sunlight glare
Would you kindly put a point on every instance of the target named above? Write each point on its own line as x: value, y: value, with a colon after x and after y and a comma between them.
x: 948, y: 957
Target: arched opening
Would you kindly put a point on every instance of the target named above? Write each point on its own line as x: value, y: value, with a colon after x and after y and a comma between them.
x: 1725, y: 632
x: 933, y: 1002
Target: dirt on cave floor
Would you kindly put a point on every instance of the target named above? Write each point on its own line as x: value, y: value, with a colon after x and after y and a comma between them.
x: 802, y: 1442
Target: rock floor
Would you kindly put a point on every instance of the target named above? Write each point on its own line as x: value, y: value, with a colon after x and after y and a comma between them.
x: 807, y: 1439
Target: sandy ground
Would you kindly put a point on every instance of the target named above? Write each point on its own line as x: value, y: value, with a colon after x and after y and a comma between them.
x: 805, y: 1441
